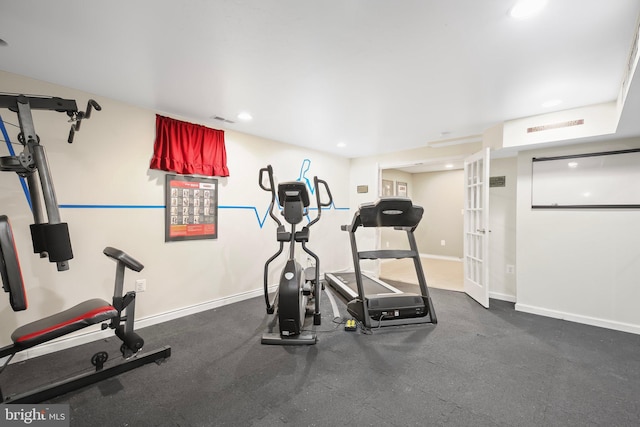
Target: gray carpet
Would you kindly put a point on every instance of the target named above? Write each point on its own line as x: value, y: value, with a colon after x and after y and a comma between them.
x: 477, y: 367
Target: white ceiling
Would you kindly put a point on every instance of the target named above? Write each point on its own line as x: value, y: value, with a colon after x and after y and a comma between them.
x: 376, y: 75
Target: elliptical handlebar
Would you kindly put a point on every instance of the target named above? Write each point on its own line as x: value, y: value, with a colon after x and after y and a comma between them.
x: 268, y: 169
x: 319, y: 203
x: 326, y: 187
x: 271, y: 188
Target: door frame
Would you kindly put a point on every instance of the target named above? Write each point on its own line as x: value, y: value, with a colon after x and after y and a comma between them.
x: 457, y: 160
x: 476, y: 226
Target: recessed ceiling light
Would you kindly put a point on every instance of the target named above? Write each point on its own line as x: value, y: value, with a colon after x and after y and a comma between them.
x: 341, y: 145
x: 448, y: 165
x: 244, y: 116
x: 527, y: 8
x: 551, y: 103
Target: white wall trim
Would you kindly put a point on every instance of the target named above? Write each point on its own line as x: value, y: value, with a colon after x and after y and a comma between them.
x: 502, y: 297
x: 87, y: 337
x: 587, y: 320
x: 442, y: 257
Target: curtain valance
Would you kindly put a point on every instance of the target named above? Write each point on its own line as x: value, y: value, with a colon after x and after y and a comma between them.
x: 188, y: 149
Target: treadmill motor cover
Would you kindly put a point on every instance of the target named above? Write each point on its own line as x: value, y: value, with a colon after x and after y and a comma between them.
x: 396, y: 306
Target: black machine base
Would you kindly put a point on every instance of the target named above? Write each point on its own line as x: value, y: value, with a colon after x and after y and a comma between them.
x: 396, y: 306
x: 394, y: 309
x: 65, y: 386
x: 305, y: 338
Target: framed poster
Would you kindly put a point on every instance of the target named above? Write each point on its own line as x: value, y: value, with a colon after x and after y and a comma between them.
x: 191, y: 211
x: 387, y: 188
x: 401, y: 189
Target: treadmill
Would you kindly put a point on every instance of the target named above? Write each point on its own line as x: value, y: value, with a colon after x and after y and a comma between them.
x: 371, y: 299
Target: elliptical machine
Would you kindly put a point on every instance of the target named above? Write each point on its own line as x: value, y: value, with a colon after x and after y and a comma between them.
x: 298, y: 287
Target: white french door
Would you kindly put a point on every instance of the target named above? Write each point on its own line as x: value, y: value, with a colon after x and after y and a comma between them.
x: 476, y: 227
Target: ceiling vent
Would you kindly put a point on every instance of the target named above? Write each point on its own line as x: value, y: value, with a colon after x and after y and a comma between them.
x: 567, y: 124
x: 222, y: 119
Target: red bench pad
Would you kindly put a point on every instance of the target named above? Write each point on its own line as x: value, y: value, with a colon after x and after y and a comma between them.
x: 80, y: 316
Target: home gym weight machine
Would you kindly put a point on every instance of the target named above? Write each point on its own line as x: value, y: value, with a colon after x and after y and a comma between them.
x: 51, y: 239
x: 371, y: 299
x: 297, y: 287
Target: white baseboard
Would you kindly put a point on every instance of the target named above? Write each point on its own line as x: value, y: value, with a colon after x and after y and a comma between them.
x: 502, y: 297
x: 587, y: 320
x: 432, y: 256
x: 442, y: 257
x: 90, y: 336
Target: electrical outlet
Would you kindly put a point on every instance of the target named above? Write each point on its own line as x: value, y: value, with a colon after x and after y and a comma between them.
x: 511, y: 268
x: 141, y: 285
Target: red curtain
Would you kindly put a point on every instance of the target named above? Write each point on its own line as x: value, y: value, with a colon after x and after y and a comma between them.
x: 187, y: 148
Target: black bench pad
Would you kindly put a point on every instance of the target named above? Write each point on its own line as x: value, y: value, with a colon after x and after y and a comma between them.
x: 82, y: 315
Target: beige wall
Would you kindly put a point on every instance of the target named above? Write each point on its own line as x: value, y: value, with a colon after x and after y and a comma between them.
x: 108, y: 164
x: 441, y: 194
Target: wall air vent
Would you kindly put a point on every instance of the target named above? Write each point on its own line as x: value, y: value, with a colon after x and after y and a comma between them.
x: 556, y: 126
x: 222, y: 119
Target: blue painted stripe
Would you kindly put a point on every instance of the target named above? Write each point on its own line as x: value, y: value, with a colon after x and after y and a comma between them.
x: 23, y: 183
x: 111, y: 206
x: 261, y: 220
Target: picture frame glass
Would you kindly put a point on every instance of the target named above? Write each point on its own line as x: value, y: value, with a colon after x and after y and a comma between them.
x: 191, y: 208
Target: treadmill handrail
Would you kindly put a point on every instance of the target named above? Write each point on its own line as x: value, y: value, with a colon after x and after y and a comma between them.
x: 387, y: 254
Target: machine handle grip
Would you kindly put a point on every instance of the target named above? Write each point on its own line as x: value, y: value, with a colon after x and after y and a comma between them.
x: 269, y: 170
x: 271, y: 189
x: 72, y: 133
x: 91, y: 104
x: 317, y: 181
x: 79, y: 116
x: 326, y: 187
